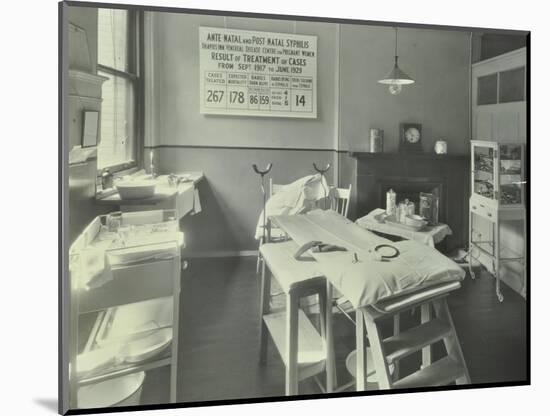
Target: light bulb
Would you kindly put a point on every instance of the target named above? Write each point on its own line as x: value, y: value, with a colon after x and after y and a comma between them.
x: 394, y: 89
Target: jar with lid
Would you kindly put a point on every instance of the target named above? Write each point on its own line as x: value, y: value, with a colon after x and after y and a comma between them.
x: 106, y: 179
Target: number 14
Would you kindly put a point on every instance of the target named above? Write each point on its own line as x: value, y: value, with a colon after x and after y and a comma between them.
x: 301, y: 100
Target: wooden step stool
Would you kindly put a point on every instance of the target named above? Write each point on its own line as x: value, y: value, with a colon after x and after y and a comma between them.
x: 304, y: 351
x: 451, y: 368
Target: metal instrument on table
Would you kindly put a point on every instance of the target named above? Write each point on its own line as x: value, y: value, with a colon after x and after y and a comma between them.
x: 317, y: 247
x: 262, y: 174
x: 381, y: 252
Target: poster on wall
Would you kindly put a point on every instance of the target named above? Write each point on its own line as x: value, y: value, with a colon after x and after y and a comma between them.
x: 257, y: 73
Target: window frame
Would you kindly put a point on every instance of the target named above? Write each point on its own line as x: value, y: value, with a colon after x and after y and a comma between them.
x: 134, y: 75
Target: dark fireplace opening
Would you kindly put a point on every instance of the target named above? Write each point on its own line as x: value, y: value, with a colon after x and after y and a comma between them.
x: 409, y: 174
x: 410, y: 188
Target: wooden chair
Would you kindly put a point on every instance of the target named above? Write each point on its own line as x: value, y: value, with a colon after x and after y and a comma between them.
x: 340, y: 198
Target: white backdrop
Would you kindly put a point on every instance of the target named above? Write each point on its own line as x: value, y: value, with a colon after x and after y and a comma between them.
x: 29, y: 204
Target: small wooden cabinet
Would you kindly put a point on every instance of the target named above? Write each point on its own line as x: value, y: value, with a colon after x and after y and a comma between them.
x: 497, y: 195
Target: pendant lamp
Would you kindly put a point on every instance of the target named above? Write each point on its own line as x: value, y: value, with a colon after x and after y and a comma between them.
x: 396, y: 78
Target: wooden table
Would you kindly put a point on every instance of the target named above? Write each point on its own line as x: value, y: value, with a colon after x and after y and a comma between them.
x: 332, y: 228
x: 430, y: 235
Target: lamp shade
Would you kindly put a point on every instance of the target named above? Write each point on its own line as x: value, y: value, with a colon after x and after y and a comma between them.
x: 396, y: 77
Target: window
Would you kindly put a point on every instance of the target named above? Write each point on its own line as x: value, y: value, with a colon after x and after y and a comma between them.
x: 512, y: 85
x: 487, y: 89
x: 501, y: 87
x: 117, y: 55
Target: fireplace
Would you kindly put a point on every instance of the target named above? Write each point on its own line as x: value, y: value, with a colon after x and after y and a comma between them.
x: 410, y: 174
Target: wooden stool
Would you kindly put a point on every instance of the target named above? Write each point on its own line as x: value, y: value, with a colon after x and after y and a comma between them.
x: 303, y: 350
x: 451, y: 368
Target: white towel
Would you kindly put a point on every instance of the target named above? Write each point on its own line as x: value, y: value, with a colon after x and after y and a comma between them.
x: 295, y: 198
x: 93, y: 269
x: 185, y: 200
x: 197, y: 203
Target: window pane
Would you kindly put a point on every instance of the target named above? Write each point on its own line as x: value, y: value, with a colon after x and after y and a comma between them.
x: 117, y: 122
x: 511, y: 85
x: 487, y: 89
x: 113, y: 43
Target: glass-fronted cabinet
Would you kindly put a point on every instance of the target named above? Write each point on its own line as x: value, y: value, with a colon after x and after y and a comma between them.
x: 498, y: 195
x: 498, y: 172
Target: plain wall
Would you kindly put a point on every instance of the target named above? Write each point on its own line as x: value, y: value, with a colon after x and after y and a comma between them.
x: 438, y: 61
x: 225, y: 147
x: 177, y: 71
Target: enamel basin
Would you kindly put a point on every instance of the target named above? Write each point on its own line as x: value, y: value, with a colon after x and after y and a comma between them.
x: 136, y: 189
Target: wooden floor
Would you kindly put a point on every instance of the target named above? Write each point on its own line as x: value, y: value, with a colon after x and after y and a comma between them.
x: 219, y: 336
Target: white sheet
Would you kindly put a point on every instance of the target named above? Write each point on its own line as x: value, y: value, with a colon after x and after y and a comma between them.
x: 295, y: 198
x: 369, y: 281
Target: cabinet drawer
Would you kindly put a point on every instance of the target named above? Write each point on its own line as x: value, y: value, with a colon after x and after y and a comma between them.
x: 483, y: 211
x: 132, y: 284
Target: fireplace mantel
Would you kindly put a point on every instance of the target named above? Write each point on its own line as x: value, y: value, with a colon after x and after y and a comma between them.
x: 420, y: 156
x: 374, y: 172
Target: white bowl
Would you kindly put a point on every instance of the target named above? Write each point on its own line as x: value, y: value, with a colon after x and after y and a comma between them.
x: 137, y: 189
x: 118, y: 391
x: 415, y: 221
x: 147, y: 346
x: 372, y: 379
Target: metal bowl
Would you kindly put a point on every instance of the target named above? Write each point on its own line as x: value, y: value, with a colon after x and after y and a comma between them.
x: 415, y: 221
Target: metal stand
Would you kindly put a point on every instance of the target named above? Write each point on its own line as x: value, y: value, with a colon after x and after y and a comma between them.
x: 262, y: 174
x: 322, y: 172
x: 492, y: 249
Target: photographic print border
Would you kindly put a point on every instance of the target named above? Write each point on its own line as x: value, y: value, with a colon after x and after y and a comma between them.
x: 64, y: 207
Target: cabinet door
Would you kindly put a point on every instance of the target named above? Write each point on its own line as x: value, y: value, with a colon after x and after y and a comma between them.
x: 483, y: 171
x: 511, y: 174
